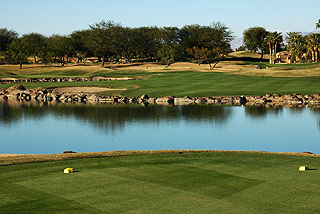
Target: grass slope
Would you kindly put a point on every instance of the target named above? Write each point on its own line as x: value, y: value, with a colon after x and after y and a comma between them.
x: 216, y: 182
x: 216, y: 84
x: 193, y: 83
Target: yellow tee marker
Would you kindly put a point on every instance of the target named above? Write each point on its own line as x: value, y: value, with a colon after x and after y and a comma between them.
x: 68, y: 170
x: 303, y: 168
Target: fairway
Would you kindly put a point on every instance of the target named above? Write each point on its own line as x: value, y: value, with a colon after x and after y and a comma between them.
x: 195, y: 182
x: 193, y: 83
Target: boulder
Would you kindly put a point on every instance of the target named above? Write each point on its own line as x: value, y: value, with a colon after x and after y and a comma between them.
x: 227, y: 100
x: 183, y: 101
x: 165, y: 100
x: 16, y: 88
x: 200, y: 100
x: 211, y: 100
x: 152, y: 100
x: 144, y: 97
x: 133, y: 100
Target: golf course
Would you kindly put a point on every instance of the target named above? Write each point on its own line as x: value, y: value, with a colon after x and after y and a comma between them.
x: 164, y: 182
x: 159, y: 107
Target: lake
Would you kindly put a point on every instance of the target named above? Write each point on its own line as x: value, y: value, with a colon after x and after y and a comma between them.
x: 39, y: 128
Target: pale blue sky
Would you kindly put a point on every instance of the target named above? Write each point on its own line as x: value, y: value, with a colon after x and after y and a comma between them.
x: 64, y: 16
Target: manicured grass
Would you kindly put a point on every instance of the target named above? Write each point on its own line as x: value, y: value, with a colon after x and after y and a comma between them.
x: 193, y: 83
x: 82, y: 73
x: 237, y: 75
x: 284, y: 66
x: 216, y: 182
x: 216, y: 84
x: 72, y: 73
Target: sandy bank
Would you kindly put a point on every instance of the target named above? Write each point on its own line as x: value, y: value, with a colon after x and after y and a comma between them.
x: 14, y: 159
x: 85, y: 89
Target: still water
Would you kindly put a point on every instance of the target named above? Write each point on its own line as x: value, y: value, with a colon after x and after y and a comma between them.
x: 35, y: 128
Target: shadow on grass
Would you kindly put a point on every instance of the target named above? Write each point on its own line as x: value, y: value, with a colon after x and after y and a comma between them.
x: 40, y: 66
x: 250, y: 59
x: 123, y: 66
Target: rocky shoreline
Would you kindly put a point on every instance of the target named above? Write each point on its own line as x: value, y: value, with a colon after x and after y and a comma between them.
x: 18, y: 92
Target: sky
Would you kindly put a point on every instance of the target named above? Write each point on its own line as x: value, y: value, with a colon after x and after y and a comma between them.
x: 65, y: 16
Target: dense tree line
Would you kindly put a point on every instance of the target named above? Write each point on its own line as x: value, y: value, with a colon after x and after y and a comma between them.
x: 111, y: 42
x: 301, y: 48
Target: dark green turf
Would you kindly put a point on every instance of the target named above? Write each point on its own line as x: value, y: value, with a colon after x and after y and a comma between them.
x: 74, y: 73
x: 164, y: 183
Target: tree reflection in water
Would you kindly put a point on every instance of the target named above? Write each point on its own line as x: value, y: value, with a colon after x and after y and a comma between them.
x: 316, y: 112
x: 110, y: 117
x: 258, y: 112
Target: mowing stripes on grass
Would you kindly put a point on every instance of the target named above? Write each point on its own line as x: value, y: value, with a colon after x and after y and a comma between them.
x: 164, y: 183
x: 192, y: 179
x: 192, y: 83
x: 220, y: 84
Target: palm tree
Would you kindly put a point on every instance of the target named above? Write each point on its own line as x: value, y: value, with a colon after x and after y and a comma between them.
x: 318, y: 24
x: 273, y: 39
x: 313, y: 44
x: 309, y: 46
x: 296, y: 45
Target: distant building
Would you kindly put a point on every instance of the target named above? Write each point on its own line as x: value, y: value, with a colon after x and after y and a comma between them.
x: 283, y: 57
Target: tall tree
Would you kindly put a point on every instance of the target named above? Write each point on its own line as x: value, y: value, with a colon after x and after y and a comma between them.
x: 169, y: 53
x: 60, y: 48
x: 35, y: 44
x: 210, y: 56
x: 17, y: 52
x: 273, y: 39
x: 199, y: 54
x: 79, y: 47
x: 6, y: 37
x: 313, y: 44
x: 309, y: 48
x: 190, y: 36
x: 207, y: 44
x: 318, y: 24
x: 296, y: 45
x: 254, y: 39
x: 170, y: 35
x: 139, y: 44
x: 104, y: 39
x: 128, y: 46
x: 151, y: 42
x: 216, y: 35
x: 170, y: 50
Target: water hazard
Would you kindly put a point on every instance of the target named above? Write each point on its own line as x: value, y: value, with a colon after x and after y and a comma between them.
x: 38, y: 128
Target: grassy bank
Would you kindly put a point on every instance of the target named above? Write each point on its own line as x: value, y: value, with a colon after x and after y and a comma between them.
x: 193, y: 83
x: 217, y: 182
